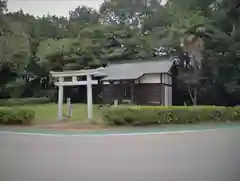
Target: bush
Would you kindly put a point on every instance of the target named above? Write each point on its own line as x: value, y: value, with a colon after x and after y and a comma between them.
x: 52, y: 95
x: 148, y: 115
x: 16, y: 116
x: 26, y: 101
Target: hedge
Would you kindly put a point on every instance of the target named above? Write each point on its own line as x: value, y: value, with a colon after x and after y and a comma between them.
x: 25, y: 101
x: 16, y: 116
x: 171, y: 115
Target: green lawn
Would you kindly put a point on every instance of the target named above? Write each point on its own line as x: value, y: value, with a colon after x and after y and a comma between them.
x: 47, y: 113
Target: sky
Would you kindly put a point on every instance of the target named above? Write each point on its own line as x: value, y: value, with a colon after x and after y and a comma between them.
x: 52, y: 7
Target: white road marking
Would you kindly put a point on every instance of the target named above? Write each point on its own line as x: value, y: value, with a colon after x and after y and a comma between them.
x: 110, y: 134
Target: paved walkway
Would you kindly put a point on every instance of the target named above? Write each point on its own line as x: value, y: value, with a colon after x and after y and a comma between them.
x: 201, y: 155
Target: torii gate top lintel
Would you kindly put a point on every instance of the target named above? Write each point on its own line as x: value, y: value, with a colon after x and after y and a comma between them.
x: 76, y: 72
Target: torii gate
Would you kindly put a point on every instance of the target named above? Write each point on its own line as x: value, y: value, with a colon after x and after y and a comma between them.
x: 74, y: 76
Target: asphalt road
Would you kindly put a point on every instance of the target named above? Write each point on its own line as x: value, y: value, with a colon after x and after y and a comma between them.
x: 200, y: 156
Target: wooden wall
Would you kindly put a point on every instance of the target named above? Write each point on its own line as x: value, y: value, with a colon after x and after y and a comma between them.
x: 149, y: 89
x: 112, y: 92
x: 147, y: 94
x: 144, y: 94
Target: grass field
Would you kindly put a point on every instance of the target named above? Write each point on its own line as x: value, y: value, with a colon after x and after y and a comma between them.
x: 47, y: 113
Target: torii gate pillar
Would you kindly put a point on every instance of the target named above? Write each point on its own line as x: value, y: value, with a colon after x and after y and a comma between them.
x: 60, y: 100
x: 89, y: 97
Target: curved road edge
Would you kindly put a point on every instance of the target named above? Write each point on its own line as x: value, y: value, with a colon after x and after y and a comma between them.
x: 176, y: 129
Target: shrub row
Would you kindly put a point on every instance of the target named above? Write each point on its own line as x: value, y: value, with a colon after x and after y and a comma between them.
x: 25, y: 101
x: 172, y: 115
x: 16, y: 116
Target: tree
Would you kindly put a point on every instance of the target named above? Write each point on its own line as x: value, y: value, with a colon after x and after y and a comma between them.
x: 84, y: 15
x: 14, y: 47
x: 130, y: 12
x: 3, y: 6
x: 194, y: 5
x: 14, y: 51
x: 180, y: 31
x: 13, y: 42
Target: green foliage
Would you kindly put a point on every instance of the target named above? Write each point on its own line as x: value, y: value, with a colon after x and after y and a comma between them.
x: 24, y: 101
x: 16, y: 116
x: 129, y: 12
x: 139, y: 116
x: 51, y: 47
x: 3, y: 6
x: 14, y: 45
x: 84, y: 15
x: 14, y: 50
x: 126, y: 30
x: 236, y: 113
x: 197, y: 5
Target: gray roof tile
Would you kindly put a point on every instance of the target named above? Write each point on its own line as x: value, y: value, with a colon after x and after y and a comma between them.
x: 134, y: 70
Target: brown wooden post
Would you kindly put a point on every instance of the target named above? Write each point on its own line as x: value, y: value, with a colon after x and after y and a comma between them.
x: 132, y: 93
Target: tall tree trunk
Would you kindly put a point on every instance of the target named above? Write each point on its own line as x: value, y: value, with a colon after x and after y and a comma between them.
x: 193, y: 92
x: 193, y: 95
x: 233, y: 29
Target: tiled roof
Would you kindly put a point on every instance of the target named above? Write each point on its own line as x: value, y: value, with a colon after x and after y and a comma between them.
x: 134, y: 70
